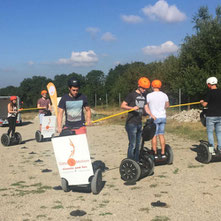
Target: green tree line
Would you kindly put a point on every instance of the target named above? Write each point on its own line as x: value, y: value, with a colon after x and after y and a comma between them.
x: 199, y: 57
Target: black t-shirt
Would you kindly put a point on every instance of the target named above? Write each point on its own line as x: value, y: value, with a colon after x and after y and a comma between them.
x: 134, y: 99
x: 213, y: 99
x: 73, y: 107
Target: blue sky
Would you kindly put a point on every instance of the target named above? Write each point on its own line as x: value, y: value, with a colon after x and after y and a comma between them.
x: 50, y: 37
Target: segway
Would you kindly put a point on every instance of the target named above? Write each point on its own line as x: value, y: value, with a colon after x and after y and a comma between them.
x: 131, y: 171
x: 205, y: 153
x: 48, y: 129
x: 74, y: 163
x: 7, y: 140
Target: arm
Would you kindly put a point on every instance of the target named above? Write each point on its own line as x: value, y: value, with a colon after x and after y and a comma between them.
x: 125, y: 106
x: 59, y: 119
x: 203, y: 103
x: 167, y: 104
x: 147, y: 109
x: 88, y: 115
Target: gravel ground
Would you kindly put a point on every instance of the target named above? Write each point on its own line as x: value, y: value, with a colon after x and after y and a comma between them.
x: 187, y: 189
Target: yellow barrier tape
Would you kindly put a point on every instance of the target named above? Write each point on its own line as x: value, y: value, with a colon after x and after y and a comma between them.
x: 114, y: 115
x: 179, y: 105
x: 33, y: 108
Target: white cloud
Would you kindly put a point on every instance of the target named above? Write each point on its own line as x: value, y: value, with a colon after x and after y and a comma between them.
x: 30, y: 63
x: 84, y: 58
x: 162, y: 11
x: 133, y: 19
x: 107, y: 36
x: 93, y: 31
x: 166, y: 48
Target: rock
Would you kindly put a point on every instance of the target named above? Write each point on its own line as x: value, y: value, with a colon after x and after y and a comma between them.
x: 192, y: 115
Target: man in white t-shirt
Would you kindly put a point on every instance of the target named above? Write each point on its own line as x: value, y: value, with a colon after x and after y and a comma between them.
x: 157, y: 102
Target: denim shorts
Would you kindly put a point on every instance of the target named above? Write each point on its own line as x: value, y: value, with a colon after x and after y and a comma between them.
x: 160, y: 125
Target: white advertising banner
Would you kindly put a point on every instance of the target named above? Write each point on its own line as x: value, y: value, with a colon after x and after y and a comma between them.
x: 73, y: 158
x: 48, y: 126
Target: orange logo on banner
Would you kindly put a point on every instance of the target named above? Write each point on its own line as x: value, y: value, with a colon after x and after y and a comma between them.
x: 48, y: 126
x: 71, y: 161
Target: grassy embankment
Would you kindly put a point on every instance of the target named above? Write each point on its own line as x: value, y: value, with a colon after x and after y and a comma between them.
x: 190, y: 130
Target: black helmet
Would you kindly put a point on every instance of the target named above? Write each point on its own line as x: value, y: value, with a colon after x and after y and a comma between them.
x: 73, y: 82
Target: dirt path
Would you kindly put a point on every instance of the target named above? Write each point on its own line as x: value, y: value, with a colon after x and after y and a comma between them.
x: 190, y: 189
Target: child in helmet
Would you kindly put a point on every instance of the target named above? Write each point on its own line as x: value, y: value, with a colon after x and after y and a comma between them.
x: 136, y: 101
x: 73, y: 104
x: 157, y: 102
x: 213, y: 113
x: 12, y: 115
x: 45, y: 104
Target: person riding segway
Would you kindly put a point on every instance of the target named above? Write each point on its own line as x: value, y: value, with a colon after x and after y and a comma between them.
x: 130, y: 168
x: 15, y: 137
x: 73, y: 134
x: 157, y: 102
x: 213, y: 121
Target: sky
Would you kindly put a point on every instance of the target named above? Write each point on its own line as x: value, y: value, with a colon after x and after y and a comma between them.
x: 52, y: 37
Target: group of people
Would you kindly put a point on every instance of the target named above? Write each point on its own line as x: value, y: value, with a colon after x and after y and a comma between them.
x: 138, y: 103
x: 154, y: 104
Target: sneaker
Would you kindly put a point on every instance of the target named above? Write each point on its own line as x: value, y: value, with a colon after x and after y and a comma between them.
x: 156, y: 157
x: 163, y: 156
x: 211, y: 150
x: 218, y: 151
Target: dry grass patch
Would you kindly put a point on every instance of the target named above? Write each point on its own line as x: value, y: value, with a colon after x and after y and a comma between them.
x: 191, y: 130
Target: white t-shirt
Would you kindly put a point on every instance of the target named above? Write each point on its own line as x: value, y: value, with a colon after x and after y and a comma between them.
x: 156, y: 101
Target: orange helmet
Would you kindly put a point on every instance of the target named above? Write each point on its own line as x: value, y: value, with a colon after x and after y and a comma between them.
x: 44, y: 92
x: 144, y: 82
x: 156, y: 84
x: 13, y: 98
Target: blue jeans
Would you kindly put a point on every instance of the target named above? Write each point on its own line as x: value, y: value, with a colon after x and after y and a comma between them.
x: 134, y: 135
x: 211, y: 123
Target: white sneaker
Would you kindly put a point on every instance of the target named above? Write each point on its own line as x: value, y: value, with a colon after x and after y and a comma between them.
x: 211, y: 150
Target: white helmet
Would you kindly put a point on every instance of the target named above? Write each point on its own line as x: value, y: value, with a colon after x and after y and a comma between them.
x: 212, y: 80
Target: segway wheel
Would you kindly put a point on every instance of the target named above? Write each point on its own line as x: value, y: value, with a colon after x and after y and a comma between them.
x: 64, y: 185
x: 18, y: 137
x: 129, y: 170
x: 5, y: 139
x: 204, y: 155
x: 147, y: 165
x: 38, y: 136
x: 169, y: 154
x: 96, y: 182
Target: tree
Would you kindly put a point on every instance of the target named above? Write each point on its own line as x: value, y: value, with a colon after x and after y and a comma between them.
x: 94, y: 84
x: 200, y: 55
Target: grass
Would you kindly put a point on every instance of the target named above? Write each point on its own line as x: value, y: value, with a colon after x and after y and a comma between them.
x: 194, y: 166
x: 29, y: 115
x: 191, y: 130
x: 144, y: 209
x: 21, y: 191
x: 176, y: 171
x: 104, y: 214
x: 160, y: 218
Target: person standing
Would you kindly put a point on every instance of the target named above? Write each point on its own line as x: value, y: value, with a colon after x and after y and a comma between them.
x: 73, y: 105
x: 135, y: 101
x: 157, y: 102
x: 12, y: 115
x: 213, y: 113
x: 45, y: 104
